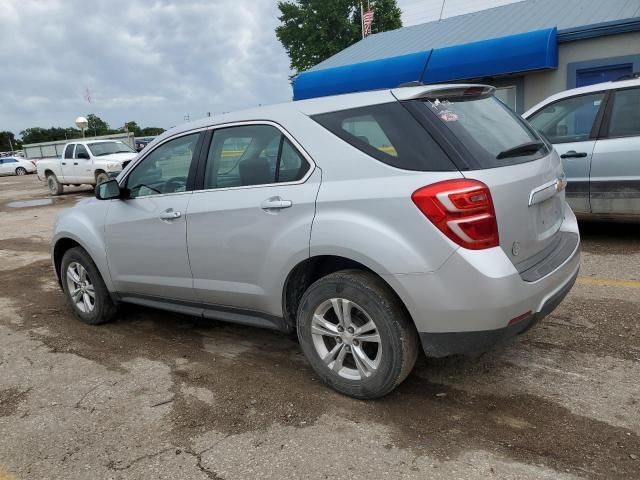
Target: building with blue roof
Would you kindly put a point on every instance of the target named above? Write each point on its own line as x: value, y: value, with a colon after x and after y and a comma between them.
x: 528, y: 50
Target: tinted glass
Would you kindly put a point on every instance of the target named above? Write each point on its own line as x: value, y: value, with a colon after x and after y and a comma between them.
x: 80, y: 149
x: 487, y: 129
x: 292, y: 165
x: 568, y: 120
x: 251, y: 155
x: 625, y: 114
x: 165, y: 169
x: 107, y: 148
x: 68, y: 152
x: 388, y: 133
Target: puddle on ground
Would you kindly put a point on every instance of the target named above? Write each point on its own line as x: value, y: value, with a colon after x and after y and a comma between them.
x: 31, y: 203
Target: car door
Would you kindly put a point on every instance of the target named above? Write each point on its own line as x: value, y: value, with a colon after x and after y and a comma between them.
x: 66, y: 164
x: 571, y: 125
x: 82, y: 165
x: 615, y: 168
x: 146, y: 232
x: 251, y: 222
x: 3, y: 167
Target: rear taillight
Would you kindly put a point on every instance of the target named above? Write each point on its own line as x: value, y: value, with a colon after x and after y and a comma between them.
x: 462, y: 210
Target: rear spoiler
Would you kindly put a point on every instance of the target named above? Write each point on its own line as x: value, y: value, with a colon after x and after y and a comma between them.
x: 442, y: 91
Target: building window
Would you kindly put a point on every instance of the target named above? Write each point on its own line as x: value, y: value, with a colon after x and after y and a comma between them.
x: 591, y: 76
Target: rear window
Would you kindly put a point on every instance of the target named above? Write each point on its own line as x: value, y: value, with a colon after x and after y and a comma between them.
x: 388, y: 133
x: 492, y: 134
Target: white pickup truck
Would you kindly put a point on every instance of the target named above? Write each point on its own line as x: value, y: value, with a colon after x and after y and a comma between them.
x: 84, y: 162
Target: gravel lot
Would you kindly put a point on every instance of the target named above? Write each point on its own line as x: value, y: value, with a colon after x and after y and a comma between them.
x: 159, y: 395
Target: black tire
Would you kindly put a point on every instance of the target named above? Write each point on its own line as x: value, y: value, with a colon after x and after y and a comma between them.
x: 21, y: 171
x: 104, y: 309
x: 101, y: 178
x: 397, y: 334
x: 55, y: 187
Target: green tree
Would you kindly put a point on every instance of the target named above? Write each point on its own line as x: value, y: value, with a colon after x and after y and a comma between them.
x: 38, y: 134
x: 8, y: 142
x: 134, y: 128
x: 152, y: 131
x: 313, y: 30
x: 97, y: 126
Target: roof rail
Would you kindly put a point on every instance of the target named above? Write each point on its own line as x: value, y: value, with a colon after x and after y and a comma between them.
x: 628, y: 76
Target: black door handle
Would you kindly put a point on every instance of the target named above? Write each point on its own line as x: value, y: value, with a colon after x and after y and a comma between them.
x: 75, y: 163
x: 573, y: 154
x: 64, y: 163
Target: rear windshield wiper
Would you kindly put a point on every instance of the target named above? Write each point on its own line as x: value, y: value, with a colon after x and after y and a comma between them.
x: 525, y: 148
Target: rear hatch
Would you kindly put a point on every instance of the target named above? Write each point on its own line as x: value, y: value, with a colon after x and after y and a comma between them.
x: 491, y: 144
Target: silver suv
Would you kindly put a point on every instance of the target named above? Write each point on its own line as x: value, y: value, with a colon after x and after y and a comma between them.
x: 371, y: 223
x: 596, y: 131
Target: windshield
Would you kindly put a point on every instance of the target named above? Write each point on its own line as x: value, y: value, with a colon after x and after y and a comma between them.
x: 100, y: 149
x: 493, y: 134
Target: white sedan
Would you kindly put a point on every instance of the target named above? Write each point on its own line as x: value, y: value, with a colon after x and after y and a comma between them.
x: 16, y: 166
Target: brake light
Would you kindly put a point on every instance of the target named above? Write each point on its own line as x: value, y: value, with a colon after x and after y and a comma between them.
x: 462, y: 210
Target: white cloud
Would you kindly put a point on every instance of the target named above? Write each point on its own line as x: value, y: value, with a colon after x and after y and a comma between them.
x: 149, y: 61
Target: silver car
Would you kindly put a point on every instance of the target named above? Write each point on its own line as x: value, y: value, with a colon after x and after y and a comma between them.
x: 372, y: 224
x: 596, y: 131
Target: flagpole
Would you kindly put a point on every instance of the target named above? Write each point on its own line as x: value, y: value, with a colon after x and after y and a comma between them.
x: 362, y: 19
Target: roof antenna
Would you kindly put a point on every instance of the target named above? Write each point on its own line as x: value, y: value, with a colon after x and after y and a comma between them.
x: 442, y: 9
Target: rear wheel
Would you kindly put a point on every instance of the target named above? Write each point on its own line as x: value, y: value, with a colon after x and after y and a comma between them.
x: 84, y: 288
x: 21, y: 171
x: 55, y: 187
x: 356, y: 334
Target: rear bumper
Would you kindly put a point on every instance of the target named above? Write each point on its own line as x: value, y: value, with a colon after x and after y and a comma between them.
x: 443, y: 344
x: 467, y: 304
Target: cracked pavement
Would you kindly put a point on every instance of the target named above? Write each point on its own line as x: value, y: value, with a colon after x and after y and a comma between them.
x: 157, y: 395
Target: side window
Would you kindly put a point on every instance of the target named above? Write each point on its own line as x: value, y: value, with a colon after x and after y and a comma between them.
x: 251, y: 155
x: 568, y: 120
x: 388, y: 133
x: 292, y: 165
x: 165, y: 169
x: 80, y: 149
x: 625, y: 114
x: 68, y: 152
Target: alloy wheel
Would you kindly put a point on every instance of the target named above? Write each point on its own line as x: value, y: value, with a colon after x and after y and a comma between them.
x: 346, y: 339
x: 80, y: 288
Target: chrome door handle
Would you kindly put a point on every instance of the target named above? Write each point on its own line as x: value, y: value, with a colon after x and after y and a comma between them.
x: 169, y: 215
x: 275, y: 203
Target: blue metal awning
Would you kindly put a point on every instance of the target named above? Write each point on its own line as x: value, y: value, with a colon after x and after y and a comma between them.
x: 523, y: 52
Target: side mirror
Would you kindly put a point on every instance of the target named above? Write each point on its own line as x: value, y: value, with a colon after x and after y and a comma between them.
x: 108, y: 190
x: 84, y: 155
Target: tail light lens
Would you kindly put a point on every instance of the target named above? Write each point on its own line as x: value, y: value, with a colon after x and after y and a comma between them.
x: 462, y: 210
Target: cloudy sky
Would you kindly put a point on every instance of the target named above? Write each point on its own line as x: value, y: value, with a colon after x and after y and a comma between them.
x: 152, y: 61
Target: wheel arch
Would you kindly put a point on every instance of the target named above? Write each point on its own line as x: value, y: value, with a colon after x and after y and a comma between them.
x: 311, y: 269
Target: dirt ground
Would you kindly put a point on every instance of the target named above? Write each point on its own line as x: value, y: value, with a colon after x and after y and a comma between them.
x: 159, y: 395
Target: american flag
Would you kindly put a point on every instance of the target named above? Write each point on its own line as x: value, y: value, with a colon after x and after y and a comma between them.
x: 367, y: 20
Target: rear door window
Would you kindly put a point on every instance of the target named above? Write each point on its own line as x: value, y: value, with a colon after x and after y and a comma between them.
x: 625, y: 114
x: 388, y: 133
x: 68, y: 152
x: 252, y: 155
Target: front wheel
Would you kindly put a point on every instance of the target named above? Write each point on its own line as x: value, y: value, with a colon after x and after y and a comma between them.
x: 84, y: 288
x: 101, y: 178
x: 356, y: 334
x: 21, y: 171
